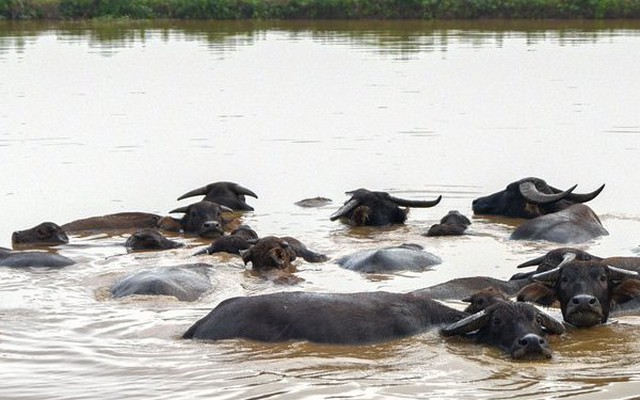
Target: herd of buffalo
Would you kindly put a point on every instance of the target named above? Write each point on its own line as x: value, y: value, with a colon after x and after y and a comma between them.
x: 587, y: 289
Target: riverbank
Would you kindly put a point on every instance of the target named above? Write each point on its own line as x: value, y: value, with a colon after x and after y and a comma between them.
x: 319, y: 9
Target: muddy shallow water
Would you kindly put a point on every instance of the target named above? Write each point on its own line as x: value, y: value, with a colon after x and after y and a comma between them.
x: 108, y: 117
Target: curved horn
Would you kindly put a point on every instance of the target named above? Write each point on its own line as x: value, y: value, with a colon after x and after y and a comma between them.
x: 531, y: 193
x: 549, y: 277
x: 551, y: 324
x: 584, y: 197
x: 619, y: 274
x: 531, y: 263
x: 179, y: 210
x: 243, y: 190
x: 345, y: 209
x: 225, y: 208
x: 415, y: 203
x: 196, y: 192
x: 466, y: 325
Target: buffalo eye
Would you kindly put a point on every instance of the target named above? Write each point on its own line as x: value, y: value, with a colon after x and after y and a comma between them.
x: 539, y: 319
x: 496, y: 321
x: 603, y: 278
x: 564, y: 279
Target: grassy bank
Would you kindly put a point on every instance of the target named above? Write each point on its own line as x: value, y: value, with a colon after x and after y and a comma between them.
x: 319, y: 9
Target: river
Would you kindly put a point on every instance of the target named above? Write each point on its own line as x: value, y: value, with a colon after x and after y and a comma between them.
x: 104, y: 117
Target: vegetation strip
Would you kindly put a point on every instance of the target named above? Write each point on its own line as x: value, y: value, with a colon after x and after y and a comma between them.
x: 319, y: 9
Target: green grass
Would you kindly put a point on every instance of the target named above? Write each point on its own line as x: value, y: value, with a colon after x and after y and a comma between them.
x: 319, y: 9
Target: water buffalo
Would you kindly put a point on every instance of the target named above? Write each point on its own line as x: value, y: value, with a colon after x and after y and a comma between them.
x: 301, y: 250
x: 483, y: 299
x: 313, y: 202
x: 341, y: 318
x: 185, y: 282
x: 575, y: 224
x: 240, y: 239
x: 517, y: 328
x: 203, y: 218
x: 150, y: 239
x: 376, y: 208
x: 270, y: 253
x: 530, y: 198
x: 586, y: 290
x: 406, y: 257
x: 461, y: 288
x: 44, y: 234
x: 551, y: 260
x: 227, y: 194
x: 452, y: 224
x: 20, y: 259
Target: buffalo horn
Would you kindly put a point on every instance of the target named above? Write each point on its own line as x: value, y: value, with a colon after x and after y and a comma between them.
x: 619, y: 274
x: 549, y: 277
x: 531, y: 263
x: 345, y: 209
x: 531, y: 193
x: 551, y: 324
x: 196, y: 192
x: 243, y: 190
x: 415, y: 203
x: 584, y: 197
x: 179, y: 210
x: 466, y: 325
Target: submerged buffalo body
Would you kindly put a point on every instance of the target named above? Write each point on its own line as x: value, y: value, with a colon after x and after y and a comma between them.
x: 20, y: 259
x: 452, y: 224
x: 530, y: 198
x: 228, y: 194
x: 575, y: 224
x: 117, y: 221
x: 376, y: 208
x: 341, y: 318
x: 586, y: 290
x: 407, y: 257
x: 185, y: 282
x: 150, y: 239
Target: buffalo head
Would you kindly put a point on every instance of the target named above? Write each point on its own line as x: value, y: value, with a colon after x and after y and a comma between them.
x: 376, y: 208
x: 150, y: 239
x: 270, y: 253
x: 551, y: 260
x: 483, y: 299
x: 517, y: 328
x: 530, y: 198
x: 47, y: 233
x: 586, y: 290
x: 203, y: 219
x: 227, y: 194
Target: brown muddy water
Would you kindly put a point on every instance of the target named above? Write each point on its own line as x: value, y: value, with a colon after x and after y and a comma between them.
x: 108, y: 117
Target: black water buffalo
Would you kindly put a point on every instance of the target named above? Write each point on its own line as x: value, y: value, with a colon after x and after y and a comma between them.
x: 227, y: 194
x: 586, y: 290
x: 341, y: 318
x: 406, y: 257
x: 44, y: 234
x: 20, y: 259
x: 270, y: 253
x: 376, y: 208
x: 530, y: 198
x: 452, y: 224
x: 575, y: 224
x: 203, y: 218
x: 313, y: 202
x: 184, y: 282
x: 150, y: 239
x: 461, y: 288
x: 517, y: 328
x: 117, y: 221
x: 483, y: 299
x: 240, y: 239
x: 551, y: 260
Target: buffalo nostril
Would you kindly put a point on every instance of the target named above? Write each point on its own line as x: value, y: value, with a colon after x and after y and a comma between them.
x: 592, y: 301
x: 542, y: 342
x: 575, y: 301
x: 523, y: 342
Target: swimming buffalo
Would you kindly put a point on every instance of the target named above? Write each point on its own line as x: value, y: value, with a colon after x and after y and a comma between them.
x: 452, y: 224
x: 406, y: 257
x: 44, y: 234
x: 20, y: 259
x: 530, y: 198
x: 376, y: 208
x: 150, y: 239
x: 117, y: 221
x: 461, y: 288
x: 517, y: 328
x: 270, y: 253
x: 203, y: 218
x: 586, y: 290
x: 227, y: 194
x: 234, y: 243
x: 341, y: 318
x: 551, y: 260
x: 575, y: 224
x: 184, y: 282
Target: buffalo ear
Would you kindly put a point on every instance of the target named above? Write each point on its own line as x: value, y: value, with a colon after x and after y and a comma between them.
x: 537, y: 293
x: 551, y: 324
x: 626, y: 290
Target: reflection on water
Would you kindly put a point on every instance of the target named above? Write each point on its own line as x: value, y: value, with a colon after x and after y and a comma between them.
x: 101, y: 117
